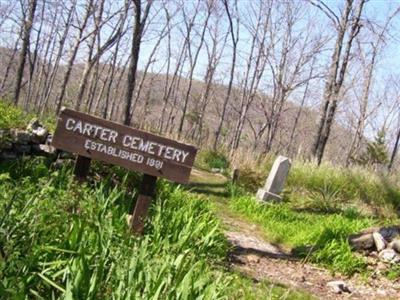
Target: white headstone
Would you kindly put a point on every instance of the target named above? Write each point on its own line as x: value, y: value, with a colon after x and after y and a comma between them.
x: 276, y: 180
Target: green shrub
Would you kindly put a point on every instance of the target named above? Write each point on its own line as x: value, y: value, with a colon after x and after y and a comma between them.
x: 12, y: 116
x: 209, y: 159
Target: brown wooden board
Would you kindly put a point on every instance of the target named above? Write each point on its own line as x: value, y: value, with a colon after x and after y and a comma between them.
x: 121, y: 145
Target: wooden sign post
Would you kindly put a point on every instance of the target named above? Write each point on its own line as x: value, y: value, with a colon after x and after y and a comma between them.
x: 155, y: 156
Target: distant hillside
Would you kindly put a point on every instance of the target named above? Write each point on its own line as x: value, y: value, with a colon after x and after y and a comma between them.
x: 149, y: 107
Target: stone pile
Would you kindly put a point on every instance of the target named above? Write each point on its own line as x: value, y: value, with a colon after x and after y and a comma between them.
x: 380, y: 243
x: 34, y: 140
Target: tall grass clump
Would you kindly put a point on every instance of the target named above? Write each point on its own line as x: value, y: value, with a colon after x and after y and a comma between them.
x: 59, y: 239
x: 339, y: 185
x: 322, y: 238
x: 328, y: 187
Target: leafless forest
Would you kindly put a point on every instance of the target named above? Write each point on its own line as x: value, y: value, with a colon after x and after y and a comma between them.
x: 308, y: 78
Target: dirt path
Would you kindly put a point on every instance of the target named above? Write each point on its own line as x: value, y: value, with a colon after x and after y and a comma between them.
x: 261, y: 260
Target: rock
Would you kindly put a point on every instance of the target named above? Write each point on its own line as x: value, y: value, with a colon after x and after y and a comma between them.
x: 364, y: 240
x: 361, y: 241
x: 395, y: 245
x: 5, y: 144
x: 338, y: 286
x: 49, y: 139
x: 66, y: 155
x: 379, y: 241
x: 39, y: 132
x: 380, y: 266
x: 276, y: 180
x: 390, y: 233
x: 253, y: 259
x: 33, y: 124
x: 389, y: 255
x: 216, y: 170
x: 8, y: 155
x: 44, y: 150
x: 22, y: 149
x: 372, y: 261
x: 19, y: 136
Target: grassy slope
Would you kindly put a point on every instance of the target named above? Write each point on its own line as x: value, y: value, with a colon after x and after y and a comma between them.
x: 322, y: 206
x: 64, y: 240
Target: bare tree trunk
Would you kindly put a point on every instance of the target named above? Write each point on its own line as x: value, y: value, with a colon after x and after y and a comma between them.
x: 235, y: 39
x: 169, y: 89
x: 79, y: 39
x: 394, y: 152
x: 27, y: 25
x: 336, y: 77
x: 33, y: 60
x: 51, y: 76
x: 300, y: 110
x: 111, y: 80
x: 135, y: 49
x: 7, y: 71
x: 193, y: 65
x: 150, y: 62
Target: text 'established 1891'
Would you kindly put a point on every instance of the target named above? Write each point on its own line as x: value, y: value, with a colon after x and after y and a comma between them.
x: 121, y: 145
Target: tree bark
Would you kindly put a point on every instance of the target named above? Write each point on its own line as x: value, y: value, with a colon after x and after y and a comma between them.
x: 135, y: 50
x: 27, y: 25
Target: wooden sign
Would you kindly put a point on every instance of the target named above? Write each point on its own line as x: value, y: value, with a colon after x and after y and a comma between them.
x: 124, y: 146
x: 94, y: 138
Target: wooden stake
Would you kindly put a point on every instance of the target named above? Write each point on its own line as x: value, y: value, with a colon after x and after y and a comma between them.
x: 81, y: 170
x: 143, y: 202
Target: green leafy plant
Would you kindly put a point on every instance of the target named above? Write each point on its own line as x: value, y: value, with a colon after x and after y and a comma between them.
x: 12, y: 116
x: 209, y: 159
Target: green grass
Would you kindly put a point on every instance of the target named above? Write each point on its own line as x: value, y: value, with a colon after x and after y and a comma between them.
x: 61, y: 239
x: 64, y: 240
x: 321, y: 238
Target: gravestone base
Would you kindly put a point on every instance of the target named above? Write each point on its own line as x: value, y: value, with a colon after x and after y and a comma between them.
x: 264, y: 195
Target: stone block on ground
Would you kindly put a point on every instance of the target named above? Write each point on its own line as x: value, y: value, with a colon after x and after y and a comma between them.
x: 22, y: 149
x: 44, y: 149
x: 19, y: 136
x: 389, y: 255
x: 39, y: 132
x: 379, y: 241
x: 364, y: 240
x: 5, y: 144
x: 389, y: 233
x: 8, y: 155
x: 338, y: 286
x: 395, y: 245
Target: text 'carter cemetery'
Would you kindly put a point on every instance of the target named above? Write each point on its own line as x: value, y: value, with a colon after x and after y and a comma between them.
x: 121, y: 145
